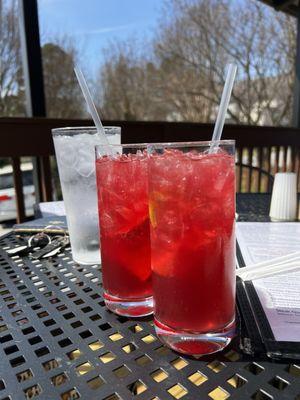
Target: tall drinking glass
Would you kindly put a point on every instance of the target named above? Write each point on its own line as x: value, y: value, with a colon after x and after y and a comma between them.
x: 75, y: 154
x: 192, y: 213
x: 122, y: 181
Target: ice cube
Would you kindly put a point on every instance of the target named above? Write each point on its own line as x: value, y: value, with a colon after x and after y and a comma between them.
x: 163, y: 261
x: 85, y: 162
x: 65, y: 151
x: 84, y: 169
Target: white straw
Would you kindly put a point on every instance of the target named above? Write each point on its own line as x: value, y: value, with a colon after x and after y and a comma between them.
x: 91, y: 105
x: 270, y: 271
x: 275, y: 261
x: 232, y: 68
x: 271, y: 267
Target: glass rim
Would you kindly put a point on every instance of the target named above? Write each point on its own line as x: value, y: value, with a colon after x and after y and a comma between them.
x: 199, y: 143
x: 125, y: 145
x: 68, y: 129
x: 204, y: 143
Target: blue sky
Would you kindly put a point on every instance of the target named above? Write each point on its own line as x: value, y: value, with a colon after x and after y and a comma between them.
x: 94, y: 23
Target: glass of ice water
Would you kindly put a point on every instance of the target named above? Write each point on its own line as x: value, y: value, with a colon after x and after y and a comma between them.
x: 75, y: 154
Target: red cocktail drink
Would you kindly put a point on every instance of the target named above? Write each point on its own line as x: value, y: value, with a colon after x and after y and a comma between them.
x: 122, y: 182
x: 192, y: 212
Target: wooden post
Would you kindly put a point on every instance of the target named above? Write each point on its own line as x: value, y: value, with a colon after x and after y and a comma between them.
x: 18, y: 184
x: 33, y: 78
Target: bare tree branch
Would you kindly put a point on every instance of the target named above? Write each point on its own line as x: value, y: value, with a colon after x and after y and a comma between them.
x: 195, y: 40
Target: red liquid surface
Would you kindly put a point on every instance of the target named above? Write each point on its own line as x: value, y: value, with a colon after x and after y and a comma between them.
x: 192, y: 211
x: 124, y: 226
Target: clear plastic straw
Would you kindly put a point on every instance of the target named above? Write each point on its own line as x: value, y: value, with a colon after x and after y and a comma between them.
x: 269, y: 271
x: 91, y: 105
x: 231, y: 72
x: 278, y: 265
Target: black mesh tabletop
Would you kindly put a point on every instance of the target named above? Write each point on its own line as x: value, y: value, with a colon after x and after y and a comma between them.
x: 253, y: 207
x: 58, y: 341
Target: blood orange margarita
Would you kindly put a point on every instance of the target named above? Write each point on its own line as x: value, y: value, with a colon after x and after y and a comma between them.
x: 122, y: 182
x: 192, y: 210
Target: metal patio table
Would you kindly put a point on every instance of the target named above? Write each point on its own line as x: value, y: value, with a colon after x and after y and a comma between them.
x: 58, y: 341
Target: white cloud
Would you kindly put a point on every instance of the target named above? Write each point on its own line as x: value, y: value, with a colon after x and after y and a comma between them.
x: 104, y: 30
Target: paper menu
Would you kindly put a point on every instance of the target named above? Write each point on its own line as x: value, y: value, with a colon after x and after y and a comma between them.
x: 52, y: 208
x: 279, y: 295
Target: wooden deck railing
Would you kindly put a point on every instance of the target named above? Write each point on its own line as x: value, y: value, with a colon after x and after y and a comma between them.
x: 261, y: 151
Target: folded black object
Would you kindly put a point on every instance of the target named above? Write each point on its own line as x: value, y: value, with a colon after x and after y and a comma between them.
x: 256, y: 336
x: 54, y: 224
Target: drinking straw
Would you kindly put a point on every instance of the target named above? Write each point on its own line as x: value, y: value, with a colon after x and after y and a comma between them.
x: 271, y: 267
x: 271, y: 270
x: 231, y: 72
x: 91, y: 105
x: 273, y: 261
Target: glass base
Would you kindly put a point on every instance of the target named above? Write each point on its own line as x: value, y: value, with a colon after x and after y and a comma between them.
x: 195, y: 344
x: 92, y: 260
x: 86, y: 262
x: 129, y: 308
